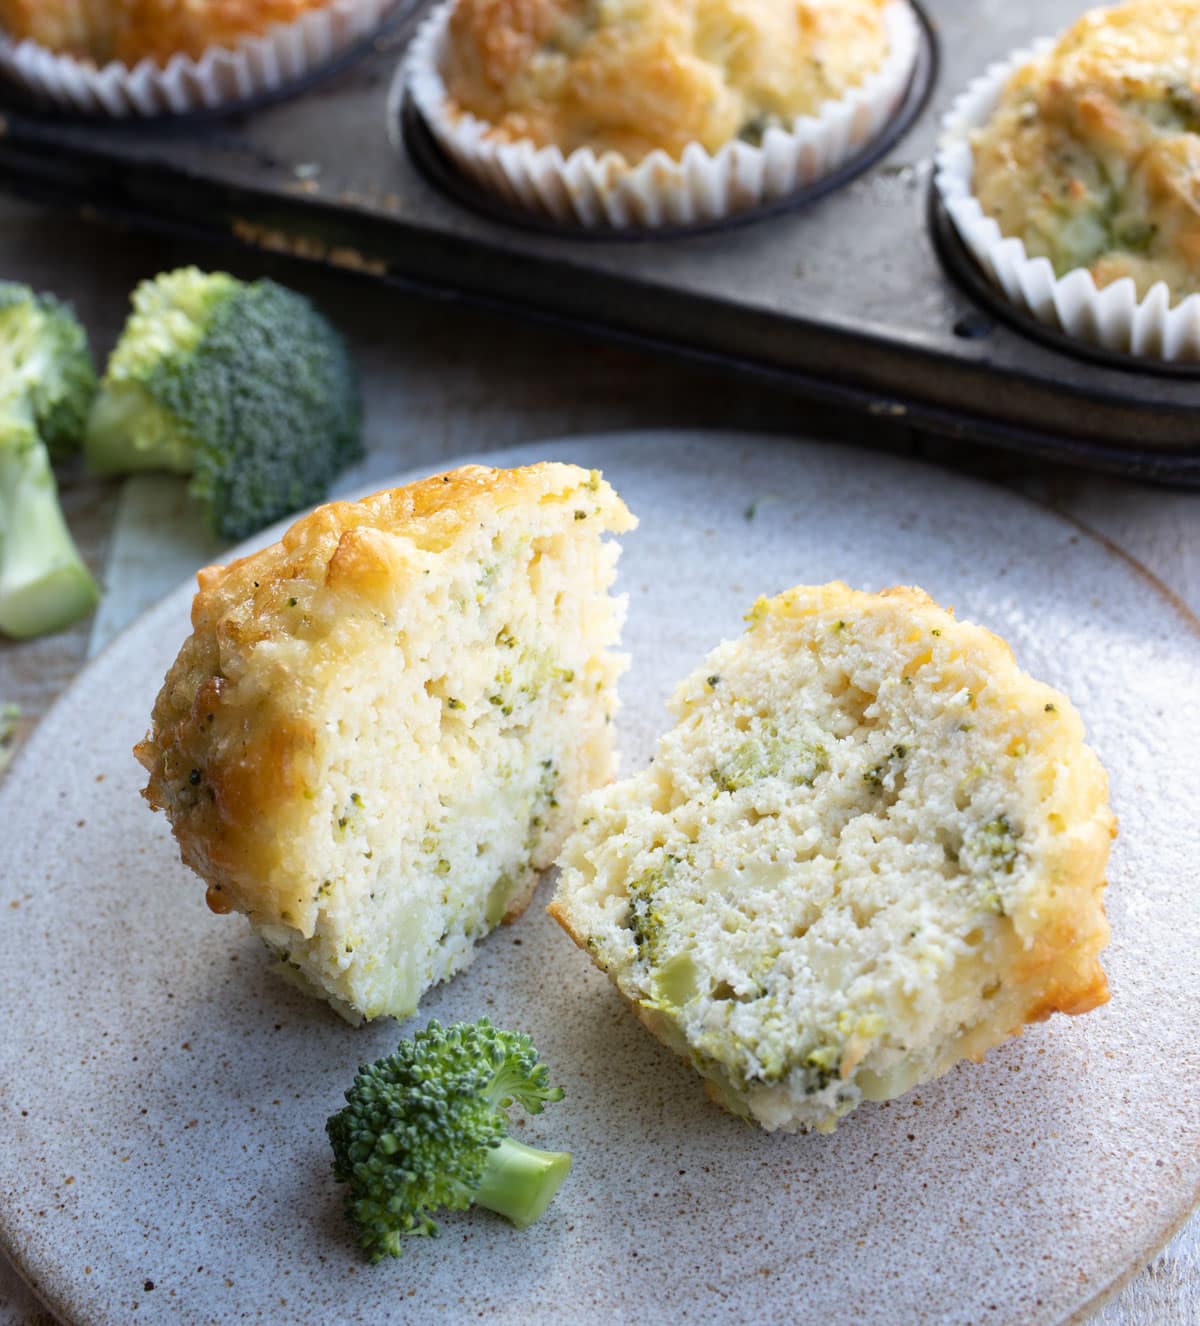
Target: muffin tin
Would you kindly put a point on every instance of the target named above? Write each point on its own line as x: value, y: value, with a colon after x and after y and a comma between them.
x: 856, y: 292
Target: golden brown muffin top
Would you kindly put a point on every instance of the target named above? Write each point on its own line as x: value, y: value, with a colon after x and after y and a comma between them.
x: 133, y: 30
x: 1092, y: 157
x: 238, y: 731
x: 630, y: 76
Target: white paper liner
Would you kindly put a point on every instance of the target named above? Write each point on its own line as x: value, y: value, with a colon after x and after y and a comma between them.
x: 590, y: 190
x: 255, y: 67
x: 1112, y: 317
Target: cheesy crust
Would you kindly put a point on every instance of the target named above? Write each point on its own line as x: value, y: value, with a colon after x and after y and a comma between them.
x: 1092, y: 157
x: 633, y: 76
x: 133, y: 30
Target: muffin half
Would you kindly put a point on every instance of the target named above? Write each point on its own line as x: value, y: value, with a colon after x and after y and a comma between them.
x: 870, y: 847
x: 376, y: 734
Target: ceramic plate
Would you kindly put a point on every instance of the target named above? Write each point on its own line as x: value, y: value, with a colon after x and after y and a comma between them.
x: 163, y: 1097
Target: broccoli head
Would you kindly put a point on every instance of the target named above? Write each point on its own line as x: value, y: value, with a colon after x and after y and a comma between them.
x: 45, y: 366
x: 46, y: 387
x: 243, y: 386
x: 425, y: 1128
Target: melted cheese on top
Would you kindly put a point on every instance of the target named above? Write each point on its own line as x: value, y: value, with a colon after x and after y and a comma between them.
x: 133, y: 30
x: 1093, y: 155
x: 632, y: 76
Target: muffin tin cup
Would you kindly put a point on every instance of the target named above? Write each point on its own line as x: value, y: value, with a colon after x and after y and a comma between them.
x: 587, y: 190
x: 255, y: 68
x: 1112, y: 317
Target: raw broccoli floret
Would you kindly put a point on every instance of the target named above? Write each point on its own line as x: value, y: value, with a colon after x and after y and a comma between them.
x: 45, y: 366
x: 425, y: 1128
x: 244, y: 386
x: 46, y: 386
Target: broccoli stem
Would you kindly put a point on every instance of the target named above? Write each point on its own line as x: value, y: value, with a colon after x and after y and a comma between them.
x: 44, y: 584
x: 520, y: 1181
x: 128, y: 432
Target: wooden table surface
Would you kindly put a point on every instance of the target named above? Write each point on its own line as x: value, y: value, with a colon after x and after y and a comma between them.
x: 441, y: 380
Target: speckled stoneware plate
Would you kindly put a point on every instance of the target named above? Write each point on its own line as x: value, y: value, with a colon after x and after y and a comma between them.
x: 163, y: 1098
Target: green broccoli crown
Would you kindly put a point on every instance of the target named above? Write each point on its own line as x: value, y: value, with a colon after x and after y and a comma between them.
x: 425, y: 1129
x: 246, y: 387
x: 46, y: 386
x: 45, y: 366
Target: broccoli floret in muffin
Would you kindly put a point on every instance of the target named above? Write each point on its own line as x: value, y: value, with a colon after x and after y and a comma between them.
x: 874, y: 848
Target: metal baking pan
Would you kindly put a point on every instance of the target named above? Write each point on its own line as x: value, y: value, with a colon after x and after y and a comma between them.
x: 856, y: 292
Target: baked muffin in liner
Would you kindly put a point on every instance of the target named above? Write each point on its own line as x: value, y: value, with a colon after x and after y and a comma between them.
x: 589, y: 189
x: 1111, y: 317
x: 256, y: 66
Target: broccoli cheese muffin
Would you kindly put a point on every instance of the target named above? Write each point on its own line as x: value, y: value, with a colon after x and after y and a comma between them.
x: 1070, y: 170
x: 133, y: 30
x: 1092, y: 157
x: 870, y: 847
x: 673, y: 81
x: 376, y: 734
x: 148, y: 57
x: 633, y: 76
